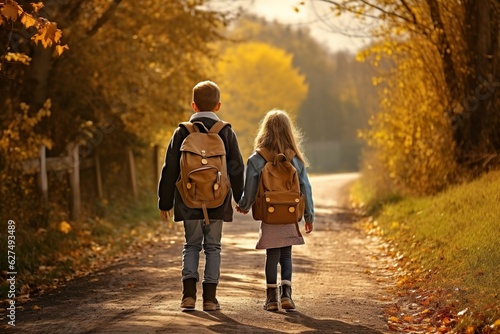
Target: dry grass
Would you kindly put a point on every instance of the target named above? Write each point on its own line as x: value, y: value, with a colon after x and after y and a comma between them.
x: 451, y: 242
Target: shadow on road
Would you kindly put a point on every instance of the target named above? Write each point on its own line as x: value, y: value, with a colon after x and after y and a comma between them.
x: 229, y: 325
x: 327, y: 325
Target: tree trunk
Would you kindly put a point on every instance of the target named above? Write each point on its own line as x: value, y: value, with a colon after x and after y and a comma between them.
x: 482, y: 83
x: 37, y: 77
x: 450, y: 74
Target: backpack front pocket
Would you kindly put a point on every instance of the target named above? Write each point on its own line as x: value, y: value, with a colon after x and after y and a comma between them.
x: 208, y: 180
x: 281, y: 207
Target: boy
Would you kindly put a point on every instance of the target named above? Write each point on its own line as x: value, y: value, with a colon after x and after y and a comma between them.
x: 197, y: 232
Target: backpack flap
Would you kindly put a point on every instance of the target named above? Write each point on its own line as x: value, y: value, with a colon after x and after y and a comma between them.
x: 281, y: 207
x: 204, y: 144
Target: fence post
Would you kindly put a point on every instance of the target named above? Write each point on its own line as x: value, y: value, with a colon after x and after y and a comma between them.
x: 75, y: 180
x: 131, y: 164
x: 42, y: 176
x: 98, y: 175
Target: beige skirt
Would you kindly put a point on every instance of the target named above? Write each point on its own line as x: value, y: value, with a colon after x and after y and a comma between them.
x: 278, y: 235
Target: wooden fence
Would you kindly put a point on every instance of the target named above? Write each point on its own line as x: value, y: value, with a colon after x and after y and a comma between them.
x: 72, y: 163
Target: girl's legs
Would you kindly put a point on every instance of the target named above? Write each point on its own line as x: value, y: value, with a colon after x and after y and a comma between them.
x: 272, y: 259
x: 286, y: 278
x: 286, y: 265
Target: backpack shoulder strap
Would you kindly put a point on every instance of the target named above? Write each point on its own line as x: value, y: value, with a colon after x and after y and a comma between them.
x: 189, y: 126
x: 218, y: 126
x: 264, y: 152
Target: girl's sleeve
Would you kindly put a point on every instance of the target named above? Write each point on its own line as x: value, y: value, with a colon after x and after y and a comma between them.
x: 306, y: 189
x: 252, y: 177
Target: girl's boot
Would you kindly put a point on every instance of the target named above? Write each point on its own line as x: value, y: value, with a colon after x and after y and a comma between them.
x: 286, y: 298
x: 271, y: 300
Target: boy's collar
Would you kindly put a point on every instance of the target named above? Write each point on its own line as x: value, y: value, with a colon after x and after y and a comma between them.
x: 204, y: 114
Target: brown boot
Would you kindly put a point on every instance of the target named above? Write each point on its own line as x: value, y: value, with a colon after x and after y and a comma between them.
x: 210, y: 302
x: 271, y: 301
x: 188, y: 294
x: 286, y: 298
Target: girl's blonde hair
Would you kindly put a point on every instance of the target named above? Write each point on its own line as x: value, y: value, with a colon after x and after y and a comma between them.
x: 277, y: 133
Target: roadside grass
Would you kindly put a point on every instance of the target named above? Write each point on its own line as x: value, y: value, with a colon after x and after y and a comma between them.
x: 451, y: 243
x: 48, y: 257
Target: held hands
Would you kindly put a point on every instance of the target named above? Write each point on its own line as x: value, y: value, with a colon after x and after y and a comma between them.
x: 308, y: 227
x: 241, y: 211
x: 165, y: 215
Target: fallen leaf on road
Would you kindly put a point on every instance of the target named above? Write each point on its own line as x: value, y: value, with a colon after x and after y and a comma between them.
x: 409, y: 319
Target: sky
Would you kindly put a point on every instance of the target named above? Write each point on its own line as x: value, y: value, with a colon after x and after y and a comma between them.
x: 332, y: 31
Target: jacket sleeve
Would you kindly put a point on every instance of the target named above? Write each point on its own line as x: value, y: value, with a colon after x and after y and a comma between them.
x: 252, y: 178
x: 170, y: 170
x: 306, y: 189
x: 235, y: 165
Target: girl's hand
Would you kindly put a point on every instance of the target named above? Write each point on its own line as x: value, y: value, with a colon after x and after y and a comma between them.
x: 308, y: 227
x: 241, y: 211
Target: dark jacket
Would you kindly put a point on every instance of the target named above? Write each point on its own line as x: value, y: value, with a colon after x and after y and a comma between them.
x: 169, y: 197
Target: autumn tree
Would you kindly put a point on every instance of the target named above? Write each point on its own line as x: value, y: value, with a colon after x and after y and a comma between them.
x: 129, y: 70
x: 453, y: 48
x: 255, y: 78
x: 333, y: 110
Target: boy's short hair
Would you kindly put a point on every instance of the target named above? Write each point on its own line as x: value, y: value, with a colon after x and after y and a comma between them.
x: 206, y: 95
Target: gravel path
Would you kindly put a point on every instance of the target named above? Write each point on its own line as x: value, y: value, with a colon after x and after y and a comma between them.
x: 337, y: 284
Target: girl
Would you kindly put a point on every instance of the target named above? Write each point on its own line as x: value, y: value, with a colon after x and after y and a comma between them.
x: 278, y: 135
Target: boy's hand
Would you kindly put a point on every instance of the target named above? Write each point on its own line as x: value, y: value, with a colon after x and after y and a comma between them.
x: 165, y: 215
x: 241, y: 211
x: 308, y: 227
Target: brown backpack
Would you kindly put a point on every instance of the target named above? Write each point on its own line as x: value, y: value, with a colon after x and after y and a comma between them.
x: 203, y: 181
x: 278, y: 200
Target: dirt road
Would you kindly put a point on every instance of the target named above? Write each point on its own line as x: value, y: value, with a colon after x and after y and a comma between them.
x: 335, y: 284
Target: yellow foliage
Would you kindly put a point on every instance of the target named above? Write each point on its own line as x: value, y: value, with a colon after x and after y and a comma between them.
x: 17, y: 57
x: 47, y: 35
x: 37, y: 6
x: 61, y: 48
x: 255, y: 78
x: 411, y: 135
x: 28, y: 21
x: 65, y: 227
x: 46, y: 32
x: 11, y: 11
x: 18, y: 140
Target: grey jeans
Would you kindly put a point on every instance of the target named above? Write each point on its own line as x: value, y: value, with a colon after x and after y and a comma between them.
x: 198, y: 235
